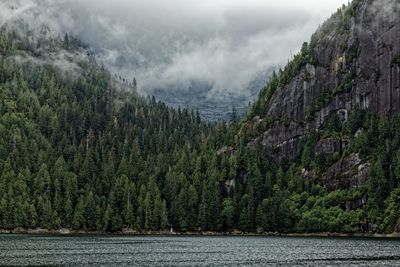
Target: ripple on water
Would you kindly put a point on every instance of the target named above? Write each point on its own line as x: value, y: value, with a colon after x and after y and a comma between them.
x: 25, y: 250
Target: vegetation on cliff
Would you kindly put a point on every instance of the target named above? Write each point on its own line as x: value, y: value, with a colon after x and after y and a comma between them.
x: 80, y: 149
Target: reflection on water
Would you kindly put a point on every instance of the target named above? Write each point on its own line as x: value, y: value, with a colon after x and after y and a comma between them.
x: 24, y: 250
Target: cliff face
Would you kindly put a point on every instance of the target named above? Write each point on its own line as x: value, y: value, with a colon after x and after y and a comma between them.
x: 355, y: 67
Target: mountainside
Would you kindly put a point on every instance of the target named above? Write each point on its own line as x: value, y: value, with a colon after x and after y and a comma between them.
x: 332, y: 112
x: 352, y: 62
x: 319, y: 150
x: 71, y: 135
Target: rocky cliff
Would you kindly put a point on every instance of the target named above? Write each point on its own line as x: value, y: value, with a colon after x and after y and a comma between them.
x: 352, y: 61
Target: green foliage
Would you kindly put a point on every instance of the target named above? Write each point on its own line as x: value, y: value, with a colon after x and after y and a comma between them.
x: 396, y: 60
x: 378, y: 185
x: 352, y: 53
x: 392, y: 212
x: 329, y: 220
x: 74, y: 151
x: 228, y: 212
x: 346, y: 85
x: 307, y: 154
x: 284, y: 120
x: 86, y: 152
x: 355, y: 121
x: 345, y: 19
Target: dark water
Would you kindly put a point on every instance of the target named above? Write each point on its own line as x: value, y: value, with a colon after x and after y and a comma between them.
x: 17, y: 250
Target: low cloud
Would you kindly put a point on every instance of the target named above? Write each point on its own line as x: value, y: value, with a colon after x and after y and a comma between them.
x: 164, y: 44
x: 387, y: 11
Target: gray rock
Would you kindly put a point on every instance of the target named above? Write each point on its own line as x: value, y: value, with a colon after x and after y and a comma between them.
x: 347, y: 173
x: 359, y: 61
x: 375, y: 34
x: 329, y: 146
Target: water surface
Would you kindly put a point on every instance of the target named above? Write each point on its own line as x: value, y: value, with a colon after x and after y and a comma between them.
x: 28, y: 250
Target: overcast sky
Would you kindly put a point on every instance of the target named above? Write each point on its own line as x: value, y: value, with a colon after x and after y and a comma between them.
x: 222, y: 42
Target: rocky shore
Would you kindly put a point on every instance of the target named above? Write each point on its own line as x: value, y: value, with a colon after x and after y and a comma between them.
x: 64, y: 231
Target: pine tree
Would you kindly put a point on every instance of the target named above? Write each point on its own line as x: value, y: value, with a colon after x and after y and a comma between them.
x: 163, y: 216
x: 79, y: 219
x: 227, y: 213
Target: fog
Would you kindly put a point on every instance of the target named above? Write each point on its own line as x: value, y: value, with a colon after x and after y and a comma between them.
x: 170, y: 44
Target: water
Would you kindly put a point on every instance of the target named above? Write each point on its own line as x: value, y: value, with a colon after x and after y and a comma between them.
x: 24, y: 250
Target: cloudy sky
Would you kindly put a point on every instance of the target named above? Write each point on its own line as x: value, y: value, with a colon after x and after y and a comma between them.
x: 164, y: 43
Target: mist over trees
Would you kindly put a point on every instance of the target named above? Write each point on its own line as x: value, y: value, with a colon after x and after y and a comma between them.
x: 80, y: 149
x: 225, y: 61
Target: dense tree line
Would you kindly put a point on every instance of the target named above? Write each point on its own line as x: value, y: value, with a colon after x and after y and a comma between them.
x: 82, y: 150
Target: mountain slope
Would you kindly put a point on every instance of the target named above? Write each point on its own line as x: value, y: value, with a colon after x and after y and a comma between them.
x: 332, y: 113
x: 71, y: 135
x: 350, y: 63
x: 319, y: 151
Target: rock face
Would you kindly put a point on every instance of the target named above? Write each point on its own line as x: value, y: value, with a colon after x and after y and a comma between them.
x: 329, y: 146
x: 355, y: 66
x: 282, y: 140
x: 355, y: 204
x: 347, y: 173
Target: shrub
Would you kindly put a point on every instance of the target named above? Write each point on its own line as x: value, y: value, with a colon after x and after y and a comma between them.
x: 396, y: 60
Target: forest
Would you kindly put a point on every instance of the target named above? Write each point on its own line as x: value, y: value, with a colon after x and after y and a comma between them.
x: 81, y: 149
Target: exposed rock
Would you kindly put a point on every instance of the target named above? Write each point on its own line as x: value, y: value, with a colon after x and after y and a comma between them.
x: 356, y: 204
x: 227, y: 150
x: 308, y: 174
x: 358, y: 133
x: 129, y: 231
x: 347, y: 173
x: 283, y: 141
x: 329, y: 146
x: 64, y: 231
x: 351, y: 69
x: 230, y: 185
x: 19, y: 230
x: 397, y: 227
x: 358, y: 59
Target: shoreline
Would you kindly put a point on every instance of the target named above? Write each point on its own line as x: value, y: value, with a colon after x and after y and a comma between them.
x: 131, y: 232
